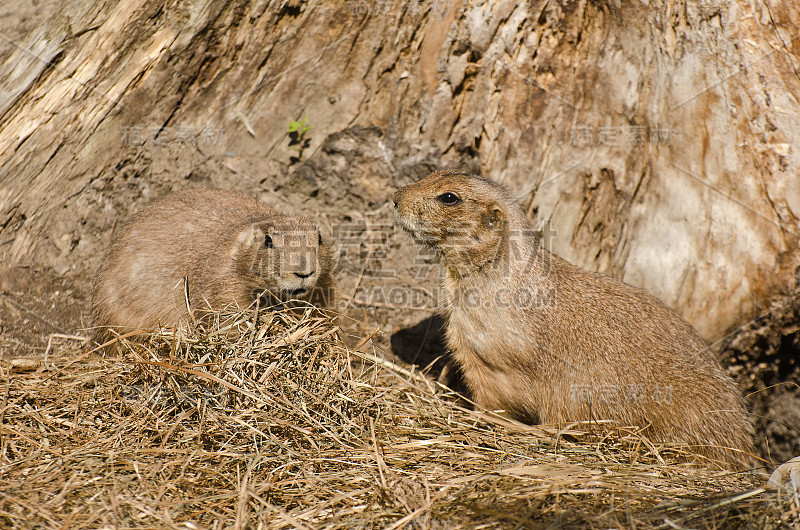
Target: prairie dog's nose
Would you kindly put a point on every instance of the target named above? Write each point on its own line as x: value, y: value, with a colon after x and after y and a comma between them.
x: 301, y: 275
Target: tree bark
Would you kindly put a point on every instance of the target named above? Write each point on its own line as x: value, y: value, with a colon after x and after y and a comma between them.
x: 656, y: 142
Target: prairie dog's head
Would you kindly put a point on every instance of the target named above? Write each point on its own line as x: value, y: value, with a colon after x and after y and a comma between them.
x: 463, y: 217
x: 282, y: 256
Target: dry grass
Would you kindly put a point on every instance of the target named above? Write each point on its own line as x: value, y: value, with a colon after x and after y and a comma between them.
x: 279, y: 425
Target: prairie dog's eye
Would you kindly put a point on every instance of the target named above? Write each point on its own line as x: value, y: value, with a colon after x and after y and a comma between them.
x: 268, y: 242
x: 449, y: 198
x: 319, y: 239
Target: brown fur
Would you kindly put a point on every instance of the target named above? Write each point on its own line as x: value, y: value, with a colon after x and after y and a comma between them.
x: 549, y: 342
x: 216, y: 240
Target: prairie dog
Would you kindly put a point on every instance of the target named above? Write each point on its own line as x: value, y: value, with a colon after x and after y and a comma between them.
x: 546, y: 341
x: 231, y: 250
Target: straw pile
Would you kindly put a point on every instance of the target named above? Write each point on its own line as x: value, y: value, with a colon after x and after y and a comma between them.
x: 269, y: 421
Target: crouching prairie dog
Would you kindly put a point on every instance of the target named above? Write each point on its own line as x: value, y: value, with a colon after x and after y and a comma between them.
x: 229, y: 250
x: 548, y: 342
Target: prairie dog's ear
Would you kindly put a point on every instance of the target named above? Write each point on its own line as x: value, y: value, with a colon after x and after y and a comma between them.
x: 492, y: 217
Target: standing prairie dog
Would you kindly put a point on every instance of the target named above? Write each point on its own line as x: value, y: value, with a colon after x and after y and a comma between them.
x: 230, y: 249
x: 546, y: 341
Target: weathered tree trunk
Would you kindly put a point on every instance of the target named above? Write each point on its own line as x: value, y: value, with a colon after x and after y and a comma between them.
x: 655, y: 142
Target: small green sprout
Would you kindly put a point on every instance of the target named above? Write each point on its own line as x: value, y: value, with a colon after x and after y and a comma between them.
x: 297, y: 137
